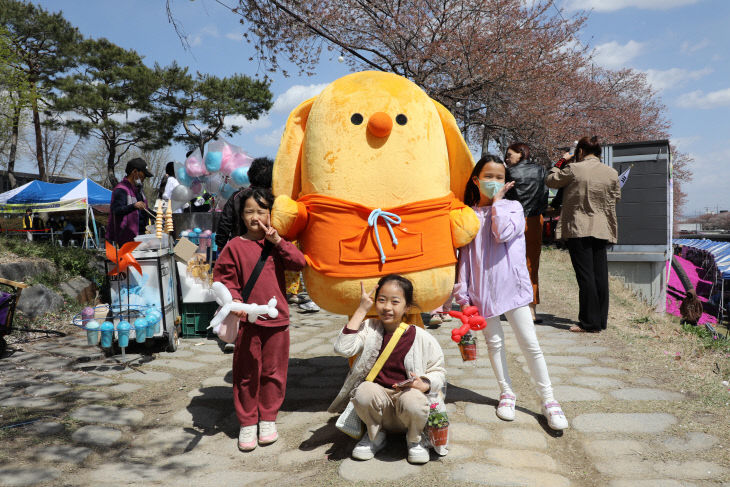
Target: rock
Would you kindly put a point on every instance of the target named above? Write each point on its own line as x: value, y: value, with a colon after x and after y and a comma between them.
x: 38, y: 300
x: 108, y: 414
x: 645, y: 394
x: 96, y: 435
x: 21, y: 271
x: 623, y: 422
x: 694, y: 441
x: 520, y: 458
x: 20, y: 477
x: 492, y: 475
x: 383, y: 467
x: 79, y: 289
x: 47, y: 428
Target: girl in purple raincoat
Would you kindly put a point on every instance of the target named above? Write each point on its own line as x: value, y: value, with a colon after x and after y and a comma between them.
x: 493, y: 277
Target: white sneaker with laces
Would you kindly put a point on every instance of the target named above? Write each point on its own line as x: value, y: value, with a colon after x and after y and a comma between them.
x: 366, y: 449
x: 418, y: 454
x: 555, y: 416
x: 267, y: 432
x: 506, y: 406
x: 247, y: 438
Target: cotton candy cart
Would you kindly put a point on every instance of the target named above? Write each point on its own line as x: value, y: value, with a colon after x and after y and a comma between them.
x: 134, y: 294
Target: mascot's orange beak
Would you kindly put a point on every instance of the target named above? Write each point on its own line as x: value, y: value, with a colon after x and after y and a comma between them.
x: 380, y: 124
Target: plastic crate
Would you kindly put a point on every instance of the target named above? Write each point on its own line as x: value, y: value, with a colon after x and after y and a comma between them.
x: 196, y: 318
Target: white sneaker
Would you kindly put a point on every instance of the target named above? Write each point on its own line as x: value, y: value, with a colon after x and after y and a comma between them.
x: 247, y: 438
x: 229, y: 348
x: 366, y: 449
x: 506, y: 406
x: 267, y: 432
x: 417, y: 453
x: 555, y: 416
x: 308, y: 307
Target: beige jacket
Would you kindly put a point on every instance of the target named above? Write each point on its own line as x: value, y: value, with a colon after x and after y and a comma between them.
x: 589, y: 199
x: 425, y: 359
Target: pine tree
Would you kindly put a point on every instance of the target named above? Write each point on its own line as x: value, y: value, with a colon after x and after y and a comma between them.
x: 110, y: 91
x: 199, y: 106
x: 43, y: 46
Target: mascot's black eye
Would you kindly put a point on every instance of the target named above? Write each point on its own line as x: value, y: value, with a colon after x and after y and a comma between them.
x: 356, y: 119
x: 401, y: 119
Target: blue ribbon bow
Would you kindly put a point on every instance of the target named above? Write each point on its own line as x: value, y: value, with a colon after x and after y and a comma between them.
x: 388, y: 218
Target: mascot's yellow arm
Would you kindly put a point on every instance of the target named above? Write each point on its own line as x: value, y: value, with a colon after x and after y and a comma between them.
x: 464, y: 226
x: 289, y: 218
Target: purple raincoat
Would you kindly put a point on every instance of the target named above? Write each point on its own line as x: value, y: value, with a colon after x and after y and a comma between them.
x: 493, y: 272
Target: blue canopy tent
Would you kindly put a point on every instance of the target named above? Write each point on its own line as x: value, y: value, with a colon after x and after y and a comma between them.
x: 48, y: 197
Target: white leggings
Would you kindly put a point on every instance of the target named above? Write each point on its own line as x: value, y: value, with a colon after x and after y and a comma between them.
x: 520, y: 319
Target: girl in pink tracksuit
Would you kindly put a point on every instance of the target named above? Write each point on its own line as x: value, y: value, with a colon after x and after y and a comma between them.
x: 493, y: 276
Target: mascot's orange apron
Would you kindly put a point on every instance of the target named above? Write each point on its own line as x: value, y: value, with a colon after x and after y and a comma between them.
x: 345, y: 239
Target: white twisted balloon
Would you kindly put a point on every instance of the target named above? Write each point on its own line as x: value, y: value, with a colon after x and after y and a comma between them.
x: 225, y: 301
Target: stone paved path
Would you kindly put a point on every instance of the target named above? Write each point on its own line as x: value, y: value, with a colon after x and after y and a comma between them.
x: 170, y: 421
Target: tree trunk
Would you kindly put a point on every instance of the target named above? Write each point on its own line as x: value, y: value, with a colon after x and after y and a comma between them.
x: 13, y: 146
x: 38, y: 135
x: 110, y: 164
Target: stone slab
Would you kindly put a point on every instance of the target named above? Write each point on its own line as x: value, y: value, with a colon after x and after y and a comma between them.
x: 646, y: 394
x: 647, y: 483
x: 149, y: 376
x: 197, y: 416
x: 382, y: 468
x: 163, y: 442
x: 210, y: 358
x: 47, y: 362
x: 62, y: 454
x: 108, y: 414
x: 601, y: 449
x: 28, y: 402
x: 522, y: 438
x: 554, y: 370
x: 561, y: 360
x: 299, y: 456
x: 596, y: 382
x: 50, y: 389
x: 601, y: 371
x: 520, y: 458
x: 499, y: 476
x: 463, y: 432
x: 625, y: 467
x: 573, y: 393
x: 97, y: 436
x: 89, y: 380
x: 623, y: 422
x: 47, y: 428
x: 92, y: 395
x: 693, y: 441
x: 22, y: 477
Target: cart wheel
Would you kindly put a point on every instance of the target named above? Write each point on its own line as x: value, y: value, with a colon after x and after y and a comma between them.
x: 173, y: 340
x: 3, y: 346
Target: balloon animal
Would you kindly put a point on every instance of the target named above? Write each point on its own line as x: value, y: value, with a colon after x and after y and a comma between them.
x: 225, y: 301
x: 471, y: 320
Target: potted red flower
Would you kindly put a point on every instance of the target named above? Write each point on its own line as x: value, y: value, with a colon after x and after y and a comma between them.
x: 468, y: 347
x: 437, y: 426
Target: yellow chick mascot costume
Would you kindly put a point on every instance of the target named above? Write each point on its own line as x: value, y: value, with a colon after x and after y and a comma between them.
x: 365, y: 179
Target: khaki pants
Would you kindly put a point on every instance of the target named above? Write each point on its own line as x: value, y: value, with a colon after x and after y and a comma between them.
x: 379, y: 407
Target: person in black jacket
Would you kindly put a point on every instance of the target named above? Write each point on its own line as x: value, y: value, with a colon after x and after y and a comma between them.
x: 531, y: 192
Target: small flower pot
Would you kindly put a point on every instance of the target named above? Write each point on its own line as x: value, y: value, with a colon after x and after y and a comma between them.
x: 438, y: 436
x: 468, y: 351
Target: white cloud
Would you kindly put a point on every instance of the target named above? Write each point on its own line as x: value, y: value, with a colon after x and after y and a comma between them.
x: 209, y: 30
x: 702, y: 100
x: 689, y: 47
x: 673, y: 78
x: 614, y: 55
x: 234, y: 36
x: 613, y: 5
x: 296, y: 94
x: 270, y: 139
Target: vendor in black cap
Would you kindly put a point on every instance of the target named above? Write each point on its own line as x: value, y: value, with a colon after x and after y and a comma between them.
x: 128, y: 212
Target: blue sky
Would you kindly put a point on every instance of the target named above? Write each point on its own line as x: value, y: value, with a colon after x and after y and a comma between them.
x: 682, y: 45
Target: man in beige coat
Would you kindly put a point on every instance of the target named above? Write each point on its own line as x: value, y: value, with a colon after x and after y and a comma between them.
x: 588, y: 225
